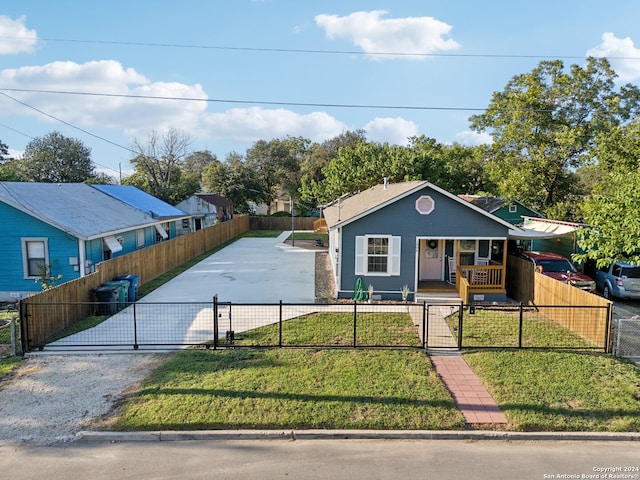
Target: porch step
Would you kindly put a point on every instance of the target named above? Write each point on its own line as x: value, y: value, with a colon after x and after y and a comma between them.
x: 434, y: 298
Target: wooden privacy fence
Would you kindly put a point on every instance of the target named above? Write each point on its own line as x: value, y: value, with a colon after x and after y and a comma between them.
x: 281, y: 223
x: 75, y: 296
x: 533, y: 288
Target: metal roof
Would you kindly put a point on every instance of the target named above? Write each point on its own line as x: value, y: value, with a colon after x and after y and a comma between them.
x: 143, y: 201
x: 76, y: 208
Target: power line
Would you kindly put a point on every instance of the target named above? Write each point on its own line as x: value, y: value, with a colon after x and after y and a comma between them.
x: 72, y: 126
x: 247, y: 102
x: 313, y: 51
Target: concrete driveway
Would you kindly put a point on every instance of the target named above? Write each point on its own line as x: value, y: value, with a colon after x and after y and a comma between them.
x: 250, y: 270
x: 180, y: 313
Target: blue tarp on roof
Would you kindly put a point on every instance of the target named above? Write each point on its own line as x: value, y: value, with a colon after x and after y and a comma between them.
x: 142, y: 201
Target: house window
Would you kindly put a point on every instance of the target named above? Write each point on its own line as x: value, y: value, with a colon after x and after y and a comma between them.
x: 377, y: 255
x: 35, y: 255
x: 513, y: 208
x: 139, y: 238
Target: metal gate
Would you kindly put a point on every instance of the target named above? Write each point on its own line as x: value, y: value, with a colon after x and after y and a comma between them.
x: 626, y: 337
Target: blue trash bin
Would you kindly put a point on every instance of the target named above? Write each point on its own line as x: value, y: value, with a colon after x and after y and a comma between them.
x: 133, y: 280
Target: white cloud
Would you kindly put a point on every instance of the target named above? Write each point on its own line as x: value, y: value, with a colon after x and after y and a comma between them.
x: 375, y: 34
x: 395, y: 131
x: 106, y: 77
x: 16, y: 37
x: 471, y: 139
x: 255, y: 123
x: 626, y: 65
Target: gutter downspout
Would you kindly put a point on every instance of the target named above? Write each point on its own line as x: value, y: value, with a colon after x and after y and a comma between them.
x: 83, y: 255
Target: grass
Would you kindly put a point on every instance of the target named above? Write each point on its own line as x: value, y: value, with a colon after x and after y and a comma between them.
x: 298, y: 388
x: 377, y: 389
x: 309, y: 236
x: 500, y: 328
x: 561, y: 391
x: 336, y: 329
x: 293, y: 388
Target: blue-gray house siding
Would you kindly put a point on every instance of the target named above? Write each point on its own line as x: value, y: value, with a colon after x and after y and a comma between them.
x: 406, y: 218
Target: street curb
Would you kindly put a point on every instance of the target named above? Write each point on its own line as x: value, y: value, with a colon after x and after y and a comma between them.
x: 172, y: 436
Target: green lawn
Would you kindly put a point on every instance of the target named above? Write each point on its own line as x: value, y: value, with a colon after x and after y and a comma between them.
x: 377, y: 389
x: 561, y: 391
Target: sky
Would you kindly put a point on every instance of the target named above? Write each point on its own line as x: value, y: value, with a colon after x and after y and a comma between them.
x: 231, y: 72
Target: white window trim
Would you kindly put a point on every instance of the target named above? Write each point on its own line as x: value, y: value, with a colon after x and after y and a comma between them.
x: 393, y: 256
x: 25, y: 259
x: 513, y: 208
x: 140, y: 238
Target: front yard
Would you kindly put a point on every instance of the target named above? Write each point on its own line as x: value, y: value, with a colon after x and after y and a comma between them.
x: 379, y: 389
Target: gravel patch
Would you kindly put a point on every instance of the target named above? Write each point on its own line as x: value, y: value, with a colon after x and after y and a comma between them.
x: 50, y: 398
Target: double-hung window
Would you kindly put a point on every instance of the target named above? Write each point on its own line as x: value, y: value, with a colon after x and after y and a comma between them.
x: 35, y: 256
x: 377, y: 255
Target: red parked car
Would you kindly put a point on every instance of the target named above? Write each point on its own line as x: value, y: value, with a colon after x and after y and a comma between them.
x: 558, y: 267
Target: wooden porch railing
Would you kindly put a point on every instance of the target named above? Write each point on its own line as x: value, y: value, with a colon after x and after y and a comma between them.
x: 483, y: 278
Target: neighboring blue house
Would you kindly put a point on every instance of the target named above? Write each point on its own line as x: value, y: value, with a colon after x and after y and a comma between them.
x: 166, y: 214
x: 513, y: 212
x: 415, y: 234
x: 70, y: 227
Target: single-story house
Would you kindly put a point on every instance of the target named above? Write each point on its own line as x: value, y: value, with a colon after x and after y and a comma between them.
x: 415, y: 234
x: 205, y: 209
x: 68, y: 227
x: 167, y: 215
x: 513, y: 212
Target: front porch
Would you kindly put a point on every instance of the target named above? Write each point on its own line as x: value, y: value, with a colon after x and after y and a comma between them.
x: 464, y: 267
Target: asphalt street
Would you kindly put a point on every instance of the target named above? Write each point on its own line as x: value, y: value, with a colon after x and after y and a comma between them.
x: 324, y: 459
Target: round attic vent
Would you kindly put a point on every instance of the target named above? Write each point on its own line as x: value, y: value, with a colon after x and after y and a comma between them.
x: 425, y: 205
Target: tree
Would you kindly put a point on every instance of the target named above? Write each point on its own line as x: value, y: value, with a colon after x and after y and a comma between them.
x: 158, y: 166
x: 57, y: 159
x: 9, y: 167
x: 317, y: 157
x: 195, y: 164
x: 544, y: 125
x: 277, y: 164
x: 235, y: 181
x: 611, y: 211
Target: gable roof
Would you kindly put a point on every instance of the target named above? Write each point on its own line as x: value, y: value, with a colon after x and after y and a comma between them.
x: 215, y: 199
x: 350, y: 208
x: 142, y: 201
x: 76, y: 208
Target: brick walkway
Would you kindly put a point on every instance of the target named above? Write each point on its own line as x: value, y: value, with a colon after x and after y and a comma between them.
x: 472, y: 398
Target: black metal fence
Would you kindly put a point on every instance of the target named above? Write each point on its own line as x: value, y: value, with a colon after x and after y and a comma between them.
x: 171, y: 326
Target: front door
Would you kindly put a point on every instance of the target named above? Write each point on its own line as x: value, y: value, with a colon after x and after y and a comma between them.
x: 431, y: 259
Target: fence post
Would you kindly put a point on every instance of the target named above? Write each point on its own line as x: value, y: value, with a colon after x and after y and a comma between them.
x: 24, y: 337
x: 135, y: 329
x: 460, y: 316
x: 14, y: 337
x: 425, y: 326
x: 355, y: 316
x: 607, y: 331
x: 280, y: 326
x: 215, y: 321
x: 520, y: 327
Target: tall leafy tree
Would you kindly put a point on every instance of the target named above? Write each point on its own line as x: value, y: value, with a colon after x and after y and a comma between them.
x: 611, y: 211
x: 58, y: 159
x: 544, y: 125
x: 235, y: 181
x: 277, y: 164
